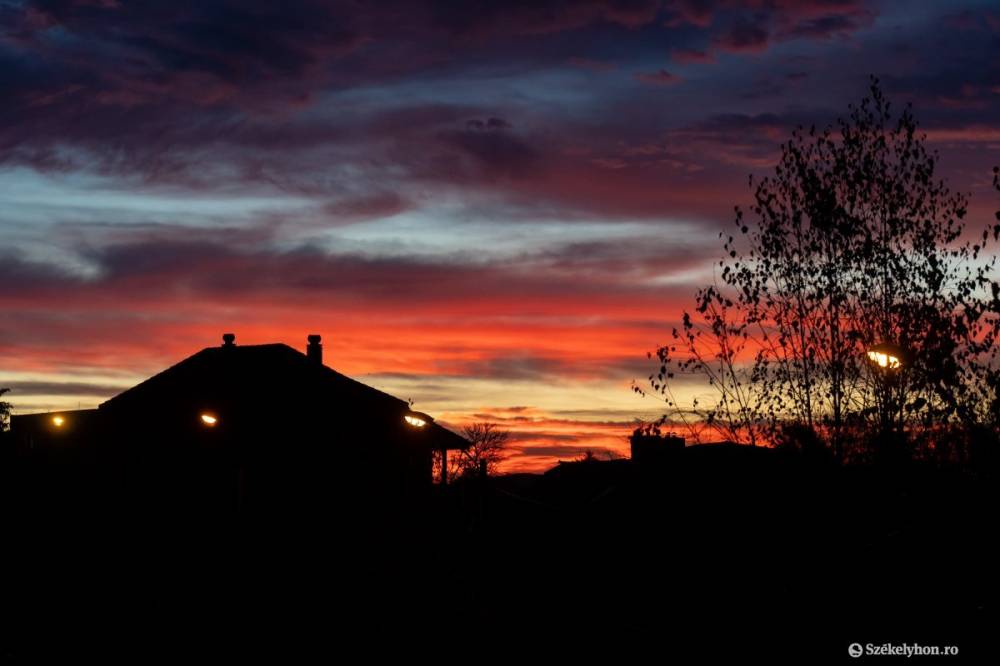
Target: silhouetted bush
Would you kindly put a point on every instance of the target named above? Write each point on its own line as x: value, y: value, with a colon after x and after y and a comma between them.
x: 804, y: 440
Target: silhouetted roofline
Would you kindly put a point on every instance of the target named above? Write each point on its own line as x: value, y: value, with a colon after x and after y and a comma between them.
x: 238, y: 349
x: 299, y: 362
x: 55, y: 412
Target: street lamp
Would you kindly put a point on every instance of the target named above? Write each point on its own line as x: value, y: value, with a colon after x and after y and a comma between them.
x: 58, y: 421
x: 209, y: 420
x: 891, y: 360
x: 887, y: 355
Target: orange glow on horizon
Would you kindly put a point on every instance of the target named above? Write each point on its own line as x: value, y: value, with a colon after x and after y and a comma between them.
x: 556, y: 357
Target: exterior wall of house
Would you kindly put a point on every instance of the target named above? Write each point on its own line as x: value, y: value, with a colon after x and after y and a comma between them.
x: 164, y: 461
x: 67, y: 431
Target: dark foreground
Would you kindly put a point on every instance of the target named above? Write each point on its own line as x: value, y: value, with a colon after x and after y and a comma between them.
x: 743, y: 554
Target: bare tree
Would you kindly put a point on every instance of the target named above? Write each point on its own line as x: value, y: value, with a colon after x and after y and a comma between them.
x: 487, y: 447
x: 852, y: 242
x: 487, y: 450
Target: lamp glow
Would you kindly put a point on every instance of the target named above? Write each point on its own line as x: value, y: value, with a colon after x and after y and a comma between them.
x: 884, y: 360
x: 209, y: 420
x: 415, y: 421
x: 58, y: 421
x: 888, y: 355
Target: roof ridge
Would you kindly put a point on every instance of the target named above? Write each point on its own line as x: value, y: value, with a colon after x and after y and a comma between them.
x: 236, y: 350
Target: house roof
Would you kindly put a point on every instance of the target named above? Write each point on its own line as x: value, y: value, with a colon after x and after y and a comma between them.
x: 252, y: 373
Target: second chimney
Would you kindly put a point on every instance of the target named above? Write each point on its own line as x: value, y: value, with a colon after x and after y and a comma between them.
x: 315, y: 350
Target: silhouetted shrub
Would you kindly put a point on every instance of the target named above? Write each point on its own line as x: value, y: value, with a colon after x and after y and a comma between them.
x: 804, y: 440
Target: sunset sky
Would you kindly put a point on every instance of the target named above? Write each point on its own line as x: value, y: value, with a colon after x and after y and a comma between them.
x: 492, y: 208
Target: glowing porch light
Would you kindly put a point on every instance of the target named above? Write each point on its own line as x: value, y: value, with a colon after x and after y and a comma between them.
x: 209, y: 420
x: 415, y: 421
x: 58, y: 421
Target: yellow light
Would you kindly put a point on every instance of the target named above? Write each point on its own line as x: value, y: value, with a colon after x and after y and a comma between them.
x: 58, y: 421
x: 209, y: 420
x: 884, y: 360
x: 415, y: 421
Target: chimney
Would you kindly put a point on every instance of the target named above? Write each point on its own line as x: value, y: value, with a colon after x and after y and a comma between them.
x: 228, y: 339
x: 315, y: 350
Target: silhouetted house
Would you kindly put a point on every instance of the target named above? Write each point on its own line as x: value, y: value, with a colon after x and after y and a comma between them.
x: 594, y: 468
x: 258, y: 427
